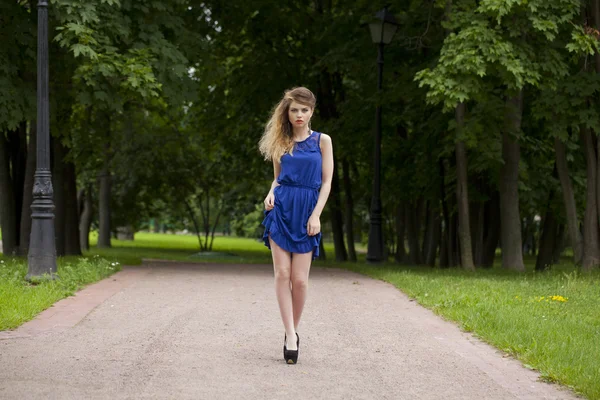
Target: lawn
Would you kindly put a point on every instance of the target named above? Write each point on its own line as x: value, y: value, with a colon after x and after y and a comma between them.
x: 21, y: 301
x: 226, y: 249
x: 549, y: 321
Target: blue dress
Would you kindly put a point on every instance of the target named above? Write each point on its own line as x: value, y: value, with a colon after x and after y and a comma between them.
x: 296, y: 198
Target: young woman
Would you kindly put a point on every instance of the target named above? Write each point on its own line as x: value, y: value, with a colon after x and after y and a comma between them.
x: 303, y: 167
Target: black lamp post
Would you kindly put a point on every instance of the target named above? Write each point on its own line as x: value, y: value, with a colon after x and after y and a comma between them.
x: 382, y: 32
x: 42, y: 248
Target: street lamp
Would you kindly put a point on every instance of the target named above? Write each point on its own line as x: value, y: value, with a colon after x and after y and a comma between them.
x: 42, y: 248
x: 382, y: 29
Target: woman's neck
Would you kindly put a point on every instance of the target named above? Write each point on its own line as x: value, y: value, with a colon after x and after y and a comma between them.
x: 300, y: 133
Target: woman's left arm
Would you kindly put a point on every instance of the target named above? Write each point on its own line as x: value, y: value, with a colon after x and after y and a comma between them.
x: 314, y: 224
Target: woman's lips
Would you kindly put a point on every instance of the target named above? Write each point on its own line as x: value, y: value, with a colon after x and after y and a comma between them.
x: 299, y: 121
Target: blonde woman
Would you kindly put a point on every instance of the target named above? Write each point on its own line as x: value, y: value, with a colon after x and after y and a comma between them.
x: 303, y: 168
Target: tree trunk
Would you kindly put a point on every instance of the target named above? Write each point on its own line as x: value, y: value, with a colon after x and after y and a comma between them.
x: 432, y: 235
x: 453, y: 246
x: 212, y: 236
x: 445, y: 240
x: 8, y: 220
x: 425, y: 217
x: 528, y: 236
x: 591, y: 235
x: 548, y: 243
x: 337, y: 219
x: 204, y: 215
x: 420, y: 225
x: 493, y: 228
x: 71, y: 236
x: 444, y: 263
x: 462, y: 195
x: 512, y: 252
x: 559, y: 243
x: 104, y: 201
x: 449, y: 247
x: 28, y: 191
x: 400, y: 217
x: 478, y: 231
x: 85, y: 220
x: 597, y: 139
x: 192, y: 215
x: 18, y: 155
x: 349, y: 215
x: 569, y: 200
x: 207, y: 220
x: 414, y: 255
x: 591, y: 251
x: 58, y: 183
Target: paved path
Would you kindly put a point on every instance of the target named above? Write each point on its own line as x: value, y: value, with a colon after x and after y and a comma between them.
x: 183, y: 331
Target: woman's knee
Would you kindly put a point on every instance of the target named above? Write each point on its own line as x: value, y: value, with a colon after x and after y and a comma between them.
x: 282, y: 274
x: 299, y: 282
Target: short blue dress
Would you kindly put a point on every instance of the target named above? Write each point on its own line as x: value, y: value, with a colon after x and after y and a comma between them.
x: 296, y: 198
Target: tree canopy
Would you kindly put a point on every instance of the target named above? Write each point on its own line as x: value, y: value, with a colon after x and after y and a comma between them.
x: 490, y: 119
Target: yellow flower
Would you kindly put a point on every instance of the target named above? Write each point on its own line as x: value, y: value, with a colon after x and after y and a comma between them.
x: 559, y: 298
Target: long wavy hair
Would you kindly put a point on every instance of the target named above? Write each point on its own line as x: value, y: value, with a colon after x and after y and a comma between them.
x: 278, y: 137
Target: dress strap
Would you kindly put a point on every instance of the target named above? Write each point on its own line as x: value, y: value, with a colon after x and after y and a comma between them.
x: 319, y: 140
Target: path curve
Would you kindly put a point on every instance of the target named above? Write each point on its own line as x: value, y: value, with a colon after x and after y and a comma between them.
x: 201, y: 331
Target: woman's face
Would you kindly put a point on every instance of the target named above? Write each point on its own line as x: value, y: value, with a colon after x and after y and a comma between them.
x: 299, y: 114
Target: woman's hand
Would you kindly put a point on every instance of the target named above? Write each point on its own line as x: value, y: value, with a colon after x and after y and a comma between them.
x: 313, y: 227
x: 270, y: 201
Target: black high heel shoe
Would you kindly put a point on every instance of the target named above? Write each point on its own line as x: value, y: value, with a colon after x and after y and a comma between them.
x: 291, y: 356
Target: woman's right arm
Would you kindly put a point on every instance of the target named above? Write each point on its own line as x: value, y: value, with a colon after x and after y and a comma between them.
x: 270, y: 199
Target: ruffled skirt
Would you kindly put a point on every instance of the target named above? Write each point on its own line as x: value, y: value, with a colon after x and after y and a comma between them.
x: 286, y: 222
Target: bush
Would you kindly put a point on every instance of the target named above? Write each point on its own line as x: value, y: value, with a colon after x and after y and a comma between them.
x: 250, y: 224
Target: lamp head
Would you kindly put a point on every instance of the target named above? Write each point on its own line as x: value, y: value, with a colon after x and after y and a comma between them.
x: 383, y: 27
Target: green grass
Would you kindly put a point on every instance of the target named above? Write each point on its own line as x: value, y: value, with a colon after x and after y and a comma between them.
x: 561, y: 339
x: 560, y: 336
x: 186, y: 248
x: 21, y: 301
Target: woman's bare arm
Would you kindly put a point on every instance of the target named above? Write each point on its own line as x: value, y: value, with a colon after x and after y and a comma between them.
x: 276, y: 171
x: 270, y: 199
x: 313, y: 226
x: 327, y: 173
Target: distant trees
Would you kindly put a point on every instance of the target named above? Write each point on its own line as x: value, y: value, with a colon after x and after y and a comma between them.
x: 490, y: 120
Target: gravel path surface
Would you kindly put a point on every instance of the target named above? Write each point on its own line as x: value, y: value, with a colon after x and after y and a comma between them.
x: 192, y: 331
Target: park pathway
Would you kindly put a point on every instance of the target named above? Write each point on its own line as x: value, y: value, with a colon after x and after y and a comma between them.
x: 198, y: 331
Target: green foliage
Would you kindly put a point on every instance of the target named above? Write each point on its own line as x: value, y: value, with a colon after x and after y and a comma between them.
x: 249, y: 225
x: 583, y: 42
x: 501, y: 40
x: 174, y: 95
x: 17, y: 65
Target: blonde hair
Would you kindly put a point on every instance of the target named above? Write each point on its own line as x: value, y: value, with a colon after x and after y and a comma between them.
x: 278, y: 137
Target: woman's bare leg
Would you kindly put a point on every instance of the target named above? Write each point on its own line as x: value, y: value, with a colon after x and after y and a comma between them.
x: 282, y: 265
x: 300, y: 270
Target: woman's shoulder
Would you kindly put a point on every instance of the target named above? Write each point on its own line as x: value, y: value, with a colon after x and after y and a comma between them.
x: 324, y: 138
